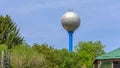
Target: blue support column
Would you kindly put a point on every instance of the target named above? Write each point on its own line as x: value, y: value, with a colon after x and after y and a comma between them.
x: 70, y: 40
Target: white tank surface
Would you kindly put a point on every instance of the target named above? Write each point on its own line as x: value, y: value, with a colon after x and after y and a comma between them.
x: 70, y: 21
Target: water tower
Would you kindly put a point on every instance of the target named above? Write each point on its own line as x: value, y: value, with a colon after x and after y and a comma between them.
x: 70, y: 22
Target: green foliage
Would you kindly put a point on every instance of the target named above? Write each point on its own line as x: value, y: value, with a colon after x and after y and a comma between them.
x: 3, y: 47
x: 24, y: 57
x: 69, y: 60
x: 88, y: 51
x: 9, y: 34
x: 44, y: 56
x: 49, y: 53
x: 82, y: 57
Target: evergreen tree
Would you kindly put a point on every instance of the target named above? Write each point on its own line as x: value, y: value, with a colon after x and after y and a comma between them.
x: 9, y: 34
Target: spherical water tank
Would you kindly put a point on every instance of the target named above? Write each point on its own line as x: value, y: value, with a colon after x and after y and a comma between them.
x: 70, y: 21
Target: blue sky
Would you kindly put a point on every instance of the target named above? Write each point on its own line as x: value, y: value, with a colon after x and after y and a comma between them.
x: 40, y: 21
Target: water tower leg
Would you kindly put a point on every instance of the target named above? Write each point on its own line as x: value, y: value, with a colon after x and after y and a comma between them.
x: 70, y: 40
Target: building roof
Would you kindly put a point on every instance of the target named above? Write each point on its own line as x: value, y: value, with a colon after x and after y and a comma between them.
x: 115, y: 54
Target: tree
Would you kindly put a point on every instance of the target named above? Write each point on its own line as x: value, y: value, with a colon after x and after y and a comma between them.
x: 68, y: 59
x: 57, y: 58
x: 82, y: 57
x: 25, y: 57
x: 9, y: 34
x: 88, y: 51
x: 49, y: 53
